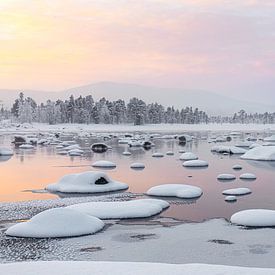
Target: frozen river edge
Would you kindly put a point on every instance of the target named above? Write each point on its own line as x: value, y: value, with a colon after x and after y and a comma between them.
x: 157, y: 239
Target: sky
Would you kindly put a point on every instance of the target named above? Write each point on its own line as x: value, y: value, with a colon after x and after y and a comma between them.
x: 223, y: 46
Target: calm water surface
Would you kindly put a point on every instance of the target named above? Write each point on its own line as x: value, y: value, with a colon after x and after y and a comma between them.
x: 34, y: 169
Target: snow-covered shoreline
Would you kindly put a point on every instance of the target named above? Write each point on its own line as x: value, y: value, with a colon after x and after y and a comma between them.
x: 121, y: 268
x: 40, y: 127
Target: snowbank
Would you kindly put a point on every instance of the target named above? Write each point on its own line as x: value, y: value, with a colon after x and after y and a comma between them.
x: 55, y: 223
x: 260, y: 153
x: 182, y: 191
x: 125, y: 268
x: 86, y: 182
x: 122, y: 210
x: 254, y: 218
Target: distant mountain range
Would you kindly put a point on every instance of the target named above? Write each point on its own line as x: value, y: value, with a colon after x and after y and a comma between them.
x: 212, y: 103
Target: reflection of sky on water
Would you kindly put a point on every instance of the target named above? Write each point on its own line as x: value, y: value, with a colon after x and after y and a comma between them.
x: 34, y: 169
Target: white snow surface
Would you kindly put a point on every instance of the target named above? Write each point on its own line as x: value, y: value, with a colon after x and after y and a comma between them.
x: 6, y: 151
x: 125, y: 268
x: 104, y: 164
x: 228, y: 149
x: 86, y: 183
x: 260, y: 153
x: 237, y: 191
x: 195, y: 163
x: 157, y: 155
x: 142, y: 208
x: 138, y: 165
x: 188, y: 156
x: 55, y: 223
x: 230, y: 198
x: 226, y: 177
x: 183, y: 191
x: 248, y: 176
x: 254, y: 218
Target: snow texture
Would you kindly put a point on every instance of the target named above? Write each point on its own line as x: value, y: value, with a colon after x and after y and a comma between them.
x: 260, y: 153
x: 237, y: 191
x: 175, y: 190
x: 226, y: 177
x: 86, y: 182
x: 142, y: 208
x: 104, y: 164
x: 56, y: 223
x: 188, y: 156
x: 195, y: 163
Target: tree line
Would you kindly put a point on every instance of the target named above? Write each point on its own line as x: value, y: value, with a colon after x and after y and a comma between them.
x: 87, y: 110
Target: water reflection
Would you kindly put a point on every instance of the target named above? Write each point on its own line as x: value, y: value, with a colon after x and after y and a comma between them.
x: 35, y: 169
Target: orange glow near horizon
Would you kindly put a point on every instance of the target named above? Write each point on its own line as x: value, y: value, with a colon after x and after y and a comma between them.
x: 52, y: 45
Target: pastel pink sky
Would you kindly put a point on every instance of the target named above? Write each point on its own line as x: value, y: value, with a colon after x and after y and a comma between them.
x: 224, y: 46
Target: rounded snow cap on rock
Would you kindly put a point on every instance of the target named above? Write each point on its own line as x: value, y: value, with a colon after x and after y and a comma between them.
x: 169, y: 153
x: 127, y: 153
x: 137, y: 165
x: 183, y: 191
x: 248, y: 176
x: 104, y: 164
x: 57, y: 223
x: 195, y: 163
x: 157, y: 155
x: 254, y: 218
x: 226, y: 177
x: 230, y: 198
x: 237, y: 191
x: 188, y: 156
x: 5, y: 151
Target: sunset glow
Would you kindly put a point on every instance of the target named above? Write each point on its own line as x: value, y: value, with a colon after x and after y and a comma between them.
x: 217, y: 45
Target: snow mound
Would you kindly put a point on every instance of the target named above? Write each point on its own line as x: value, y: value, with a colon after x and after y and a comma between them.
x: 26, y: 146
x: 169, y: 153
x: 228, y: 149
x: 104, y: 164
x: 5, y: 151
x: 230, y: 198
x: 137, y: 165
x: 195, y: 163
x: 237, y: 191
x: 254, y: 218
x: 260, y: 153
x: 86, y: 182
x: 247, y: 176
x: 188, y: 156
x: 244, y: 144
x: 75, y: 152
x: 182, y: 191
x: 157, y: 155
x: 127, y: 153
x: 270, y: 139
x: 56, y: 223
x: 226, y: 177
x: 122, y: 209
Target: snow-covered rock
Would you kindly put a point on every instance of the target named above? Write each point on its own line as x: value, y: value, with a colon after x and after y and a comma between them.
x: 137, y: 165
x: 26, y: 146
x: 5, y: 151
x: 175, y: 190
x: 243, y: 144
x: 75, y: 152
x: 127, y: 153
x: 260, y: 153
x: 254, y: 218
x: 170, y: 153
x: 228, y: 149
x: 237, y: 191
x: 230, y: 198
x: 57, y: 222
x: 226, y: 177
x: 237, y: 167
x: 195, y: 163
x: 122, y: 209
x: 188, y: 156
x: 104, y: 164
x: 270, y: 138
x: 157, y: 155
x: 248, y: 176
x: 86, y: 182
